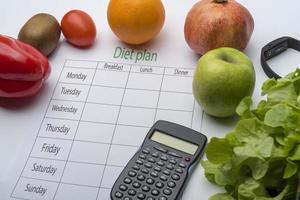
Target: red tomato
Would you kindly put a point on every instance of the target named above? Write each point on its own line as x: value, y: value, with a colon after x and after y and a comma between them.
x: 78, y: 28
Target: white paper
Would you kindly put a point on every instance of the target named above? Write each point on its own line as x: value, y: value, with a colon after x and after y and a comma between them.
x: 96, y: 120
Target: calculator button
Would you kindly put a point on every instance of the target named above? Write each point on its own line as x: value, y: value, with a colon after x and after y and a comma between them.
x: 171, y: 184
x: 145, y: 171
x: 161, y: 149
x: 127, y: 198
x: 170, y: 167
x: 136, y: 167
x: 142, y: 157
x: 159, y: 185
x: 141, y: 177
x: 118, y: 195
x: 159, y: 163
x: 163, y: 178
x: 182, y: 165
x: 139, y: 162
x: 162, y: 198
x: 164, y: 158
x: 167, y: 191
x: 141, y: 196
x: 131, y: 173
x: 172, y: 161
x: 179, y: 170
x: 174, y: 154
x: 158, y: 169
x: 146, y: 188
x: 151, y: 160
x: 167, y: 173
x: 148, y: 165
x: 155, y: 155
x: 127, y: 180
x: 155, y: 192
x: 131, y: 192
x: 150, y: 181
x: 146, y: 151
x: 123, y: 188
x: 136, y: 185
x: 150, y: 198
x: 175, y: 177
x: 154, y: 174
x: 187, y: 159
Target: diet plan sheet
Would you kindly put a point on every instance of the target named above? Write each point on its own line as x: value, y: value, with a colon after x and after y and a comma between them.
x: 96, y: 120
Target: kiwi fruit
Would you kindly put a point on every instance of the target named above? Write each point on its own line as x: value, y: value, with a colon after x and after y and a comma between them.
x: 41, y: 31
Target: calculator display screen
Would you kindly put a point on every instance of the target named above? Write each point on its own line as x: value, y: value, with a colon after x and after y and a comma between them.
x: 174, y: 142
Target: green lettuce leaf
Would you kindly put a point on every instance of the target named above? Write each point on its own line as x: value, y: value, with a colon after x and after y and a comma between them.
x: 260, y: 158
x: 220, y: 155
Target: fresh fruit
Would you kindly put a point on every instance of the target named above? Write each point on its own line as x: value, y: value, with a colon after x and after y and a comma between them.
x: 135, y: 21
x: 222, y: 79
x: 78, y: 28
x: 41, y: 31
x: 259, y: 159
x: 23, y: 69
x: 212, y: 24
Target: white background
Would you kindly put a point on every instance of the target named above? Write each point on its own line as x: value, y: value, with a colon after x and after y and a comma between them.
x: 20, y: 119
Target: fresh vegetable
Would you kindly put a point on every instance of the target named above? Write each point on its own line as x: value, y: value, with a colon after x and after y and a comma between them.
x: 41, y: 31
x: 223, y: 77
x: 135, y: 21
x: 23, y: 69
x: 212, y: 24
x: 78, y: 28
x: 260, y: 158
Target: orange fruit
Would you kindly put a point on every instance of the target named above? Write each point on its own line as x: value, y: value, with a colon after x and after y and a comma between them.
x: 136, y: 21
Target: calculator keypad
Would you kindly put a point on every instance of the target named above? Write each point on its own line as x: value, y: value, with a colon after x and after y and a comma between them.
x: 167, y: 191
x: 136, y: 185
x: 155, y: 192
x: 148, y: 165
x: 123, y: 188
x: 141, y: 196
x: 146, y: 188
x: 171, y: 184
x: 127, y: 180
x: 151, y: 160
x: 150, y: 181
x: 159, y: 185
x: 167, y: 172
x: 132, y: 173
x: 145, y: 171
x: 162, y: 198
x: 119, y: 195
x: 131, y: 192
x: 141, y: 177
x: 136, y: 167
x: 153, y: 175
x: 163, y: 178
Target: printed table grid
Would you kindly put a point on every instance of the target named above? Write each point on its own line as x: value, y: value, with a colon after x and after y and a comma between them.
x: 94, y: 107
x: 110, y: 146
x: 74, y: 137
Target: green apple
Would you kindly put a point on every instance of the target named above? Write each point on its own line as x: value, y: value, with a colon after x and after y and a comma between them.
x: 223, y: 77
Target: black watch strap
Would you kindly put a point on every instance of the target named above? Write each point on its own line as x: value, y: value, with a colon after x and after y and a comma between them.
x: 275, y: 48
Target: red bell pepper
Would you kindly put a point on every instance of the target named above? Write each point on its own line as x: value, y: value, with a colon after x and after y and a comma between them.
x: 23, y: 69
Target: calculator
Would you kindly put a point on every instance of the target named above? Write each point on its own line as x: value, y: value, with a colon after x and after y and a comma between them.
x: 161, y: 168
